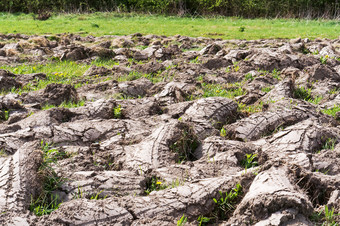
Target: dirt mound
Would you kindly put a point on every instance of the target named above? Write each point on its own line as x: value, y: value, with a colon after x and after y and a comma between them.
x: 203, y: 130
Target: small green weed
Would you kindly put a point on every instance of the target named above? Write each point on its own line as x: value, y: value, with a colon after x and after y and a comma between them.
x: 117, y: 112
x: 325, y: 217
x: 276, y: 74
x: 315, y: 100
x: 250, y: 109
x: 332, y: 111
x: 182, y: 221
x: 225, y: 204
x: 303, y: 93
x: 3, y: 153
x: 249, y: 77
x: 154, y: 184
x: 202, y: 220
x: 4, y: 115
x: 329, y: 144
x: 242, y: 29
x: 266, y: 89
x: 323, y: 59
x: 216, y: 90
x: 334, y: 91
x: 223, y: 132
x: 46, y: 202
x: 65, y: 104
x: 249, y: 161
x: 195, y: 61
x: 185, y: 146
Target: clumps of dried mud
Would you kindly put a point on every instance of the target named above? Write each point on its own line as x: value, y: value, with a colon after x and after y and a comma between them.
x: 179, y: 136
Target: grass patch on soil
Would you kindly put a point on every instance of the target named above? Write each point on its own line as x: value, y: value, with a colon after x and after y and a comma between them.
x: 65, y: 72
x: 47, y: 201
x: 99, y: 24
x: 332, y: 111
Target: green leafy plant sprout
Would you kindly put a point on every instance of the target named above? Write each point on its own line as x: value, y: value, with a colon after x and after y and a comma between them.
x: 117, y: 112
x: 303, y: 93
x: 331, y: 111
x: 329, y: 216
x: 225, y: 204
x: 223, y: 132
x: 185, y: 146
x: 323, y: 59
x: 3, y: 153
x: 329, y: 144
x: 5, y: 115
x: 266, y: 89
x: 154, y: 184
x: 249, y: 161
x: 242, y: 29
x: 202, y: 220
x: 325, y: 217
x: 44, y: 204
x: 182, y: 221
x: 195, y: 61
x: 276, y: 74
x: 249, y: 77
x: 97, y: 196
x: 65, y: 104
x: 47, y: 202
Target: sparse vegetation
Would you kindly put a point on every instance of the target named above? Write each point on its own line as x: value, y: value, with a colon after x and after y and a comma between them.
x: 225, y: 204
x: 327, y: 217
x: 117, y: 112
x: 249, y: 161
x: 216, y: 90
x: 329, y: 144
x: 47, y: 202
x: 185, y: 146
x: 182, y: 221
x: 332, y: 111
x: 154, y: 184
x: 65, y: 104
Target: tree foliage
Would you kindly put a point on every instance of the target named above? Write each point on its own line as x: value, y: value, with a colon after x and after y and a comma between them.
x: 243, y: 8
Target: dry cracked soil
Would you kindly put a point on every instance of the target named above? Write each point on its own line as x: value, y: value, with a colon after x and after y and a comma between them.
x: 227, y: 132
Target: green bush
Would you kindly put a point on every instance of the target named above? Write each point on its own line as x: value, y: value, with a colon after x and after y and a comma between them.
x: 242, y: 8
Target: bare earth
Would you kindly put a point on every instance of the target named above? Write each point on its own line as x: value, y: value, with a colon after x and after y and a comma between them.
x: 167, y: 130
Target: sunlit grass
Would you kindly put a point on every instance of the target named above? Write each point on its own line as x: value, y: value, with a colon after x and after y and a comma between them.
x: 100, y: 24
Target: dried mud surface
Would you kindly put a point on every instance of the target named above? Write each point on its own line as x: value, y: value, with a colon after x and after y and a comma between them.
x: 129, y: 132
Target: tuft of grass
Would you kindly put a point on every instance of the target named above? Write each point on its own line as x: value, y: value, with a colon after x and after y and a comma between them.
x: 250, y: 109
x: 47, y: 202
x: 223, y: 132
x: 216, y: 90
x: 226, y: 203
x: 117, y: 112
x: 332, y: 111
x: 4, y: 115
x: 213, y: 27
x: 202, y: 220
x: 185, y: 146
x: 249, y: 161
x: 326, y: 217
x: 154, y: 184
x: 323, y: 59
x: 65, y: 104
x: 302, y: 93
x: 329, y: 144
x: 64, y: 72
x: 266, y: 89
x: 182, y: 221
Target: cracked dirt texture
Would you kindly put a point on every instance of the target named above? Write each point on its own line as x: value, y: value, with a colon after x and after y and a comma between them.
x: 178, y: 127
